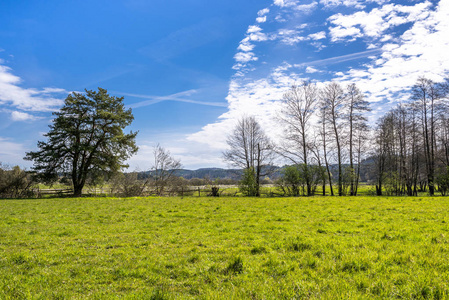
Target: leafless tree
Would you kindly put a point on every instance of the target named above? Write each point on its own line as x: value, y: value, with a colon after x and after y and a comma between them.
x: 333, y: 103
x: 250, y: 149
x: 426, y: 94
x: 299, y: 105
x: 399, y: 151
x: 323, y: 140
x: 127, y: 184
x: 357, y: 106
x: 164, y: 169
x: 361, y: 139
x: 318, y: 155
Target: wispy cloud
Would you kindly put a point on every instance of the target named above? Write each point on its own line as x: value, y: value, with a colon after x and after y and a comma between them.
x: 341, y: 58
x: 22, y: 116
x: 12, y: 95
x: 350, y: 3
x: 178, y: 97
x: 295, y: 5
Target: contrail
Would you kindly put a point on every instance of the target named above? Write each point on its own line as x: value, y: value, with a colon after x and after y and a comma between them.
x: 179, y: 97
x: 342, y: 58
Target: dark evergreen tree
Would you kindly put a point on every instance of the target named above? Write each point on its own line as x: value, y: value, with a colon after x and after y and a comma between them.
x: 86, y: 136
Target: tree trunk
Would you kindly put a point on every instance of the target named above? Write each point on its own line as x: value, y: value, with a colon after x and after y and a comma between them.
x: 77, y: 190
x: 340, y: 187
x: 258, y: 172
x: 351, y: 162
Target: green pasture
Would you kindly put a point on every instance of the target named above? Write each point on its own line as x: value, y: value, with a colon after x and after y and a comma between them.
x: 225, y: 248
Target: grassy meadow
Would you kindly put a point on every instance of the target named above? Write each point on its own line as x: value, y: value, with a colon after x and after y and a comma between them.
x: 225, y: 248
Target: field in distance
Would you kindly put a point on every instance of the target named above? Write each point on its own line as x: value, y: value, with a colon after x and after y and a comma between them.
x: 225, y: 248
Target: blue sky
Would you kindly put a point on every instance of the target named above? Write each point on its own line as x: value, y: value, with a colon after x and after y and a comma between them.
x: 190, y: 68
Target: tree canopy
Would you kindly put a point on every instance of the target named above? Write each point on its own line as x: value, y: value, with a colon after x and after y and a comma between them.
x: 86, y: 136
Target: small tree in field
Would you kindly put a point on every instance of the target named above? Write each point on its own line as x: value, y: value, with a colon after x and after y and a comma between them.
x: 250, y: 149
x: 291, y: 182
x: 86, y: 137
x: 164, y: 169
x: 248, y: 184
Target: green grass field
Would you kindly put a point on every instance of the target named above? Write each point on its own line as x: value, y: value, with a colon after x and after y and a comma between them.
x: 225, y: 248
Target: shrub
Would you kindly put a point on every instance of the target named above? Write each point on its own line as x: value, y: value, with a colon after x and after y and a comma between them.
x: 15, y: 182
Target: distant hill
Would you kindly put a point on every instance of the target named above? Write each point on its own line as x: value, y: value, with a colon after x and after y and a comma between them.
x: 235, y: 174
x: 211, y: 173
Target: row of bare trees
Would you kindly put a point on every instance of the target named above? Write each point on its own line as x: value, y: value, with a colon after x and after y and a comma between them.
x: 326, y: 132
x: 412, y: 142
x: 325, y: 126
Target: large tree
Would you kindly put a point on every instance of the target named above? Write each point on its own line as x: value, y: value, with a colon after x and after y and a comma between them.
x: 86, y: 136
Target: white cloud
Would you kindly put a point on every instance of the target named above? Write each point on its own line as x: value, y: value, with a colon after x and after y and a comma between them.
x: 289, y: 36
x: 279, y: 3
x: 310, y: 69
x: 386, y: 38
x: 245, y: 57
x: 261, y: 19
x: 280, y: 19
x: 317, y: 36
x: 260, y: 98
x: 253, y: 28
x: 258, y: 37
x: 350, y: 3
x: 263, y: 12
x: 12, y: 95
x: 294, y: 4
x: 374, y: 23
x: 420, y: 51
x: 21, y: 116
x: 294, y: 36
x: 338, y: 33
x: 246, y: 46
x: 306, y: 8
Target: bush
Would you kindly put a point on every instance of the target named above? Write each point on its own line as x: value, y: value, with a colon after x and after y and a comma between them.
x: 442, y: 181
x: 127, y: 185
x: 15, y: 182
x: 248, y: 185
x: 292, y: 182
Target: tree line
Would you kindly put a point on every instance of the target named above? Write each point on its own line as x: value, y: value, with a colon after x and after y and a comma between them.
x: 325, y: 141
x: 412, y: 142
x: 325, y: 127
